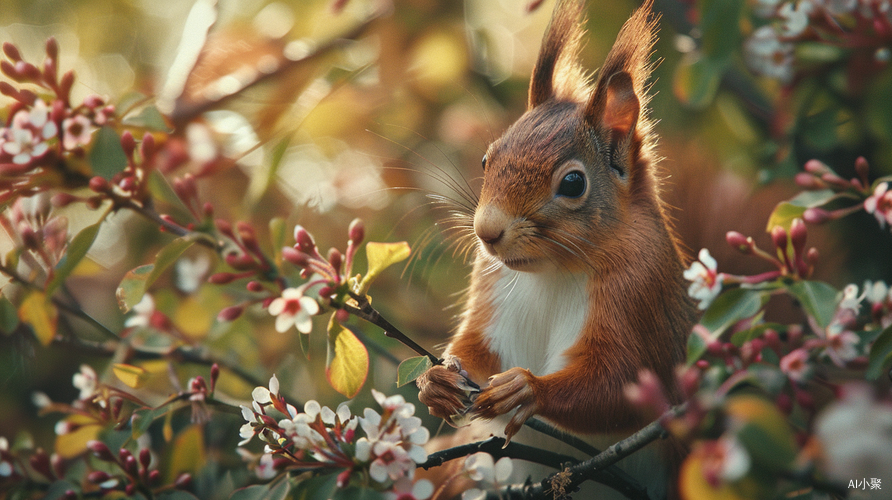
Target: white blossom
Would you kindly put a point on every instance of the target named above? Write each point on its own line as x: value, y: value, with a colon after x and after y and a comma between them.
x: 293, y: 309
x: 706, y: 283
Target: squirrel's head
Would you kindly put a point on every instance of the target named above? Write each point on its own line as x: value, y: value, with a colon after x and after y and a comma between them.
x: 560, y: 184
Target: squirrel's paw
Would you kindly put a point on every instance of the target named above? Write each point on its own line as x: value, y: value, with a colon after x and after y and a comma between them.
x: 508, y: 391
x: 446, y: 390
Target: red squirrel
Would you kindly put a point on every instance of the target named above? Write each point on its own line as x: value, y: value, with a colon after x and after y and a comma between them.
x: 577, y: 281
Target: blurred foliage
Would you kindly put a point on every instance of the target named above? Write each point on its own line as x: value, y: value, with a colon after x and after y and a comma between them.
x: 366, y: 130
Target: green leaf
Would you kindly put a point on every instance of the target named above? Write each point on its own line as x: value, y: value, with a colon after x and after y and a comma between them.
x: 763, y: 431
x: 160, y: 189
x: 785, y: 211
x: 732, y: 306
x: 137, y: 281
x: 107, y: 156
x: 76, y: 251
x: 357, y: 493
x: 276, y: 490
x: 348, y: 360
x: 9, y: 316
x: 380, y: 257
x: 880, y: 354
x: 142, y: 419
x: 719, y: 24
x: 277, y: 234
x: 317, y: 487
x: 696, y: 80
x: 176, y: 495
x: 412, y: 368
x: 696, y: 347
x: 817, y: 298
x: 149, y: 118
x: 38, y: 312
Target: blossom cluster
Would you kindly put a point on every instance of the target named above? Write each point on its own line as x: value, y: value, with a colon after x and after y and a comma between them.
x: 864, y: 25
x: 384, y: 447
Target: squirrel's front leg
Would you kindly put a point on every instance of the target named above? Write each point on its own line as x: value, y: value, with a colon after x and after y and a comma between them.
x: 509, y: 390
x: 446, y: 389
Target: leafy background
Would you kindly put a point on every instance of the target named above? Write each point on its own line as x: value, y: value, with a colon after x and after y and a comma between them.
x: 366, y: 131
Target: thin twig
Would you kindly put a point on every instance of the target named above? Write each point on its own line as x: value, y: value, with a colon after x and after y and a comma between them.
x: 367, y: 312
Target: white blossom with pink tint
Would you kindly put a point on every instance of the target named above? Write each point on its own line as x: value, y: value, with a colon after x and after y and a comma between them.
x: 842, y: 347
x: 293, y: 309
x: 86, y: 381
x: 880, y: 204
x: 767, y: 55
x: 76, y: 131
x: 856, y: 435
x: 706, y: 283
x: 404, y: 489
x: 144, y: 310
x: 481, y: 467
x: 795, y: 365
x: 27, y: 137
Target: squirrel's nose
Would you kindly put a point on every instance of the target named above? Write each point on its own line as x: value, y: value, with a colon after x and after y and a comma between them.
x: 490, y: 223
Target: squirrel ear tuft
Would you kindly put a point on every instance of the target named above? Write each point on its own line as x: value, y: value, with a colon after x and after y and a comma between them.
x: 557, y: 72
x: 619, y: 97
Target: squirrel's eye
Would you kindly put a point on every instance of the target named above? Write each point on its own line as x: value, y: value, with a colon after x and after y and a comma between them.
x: 572, y: 185
x: 483, y: 162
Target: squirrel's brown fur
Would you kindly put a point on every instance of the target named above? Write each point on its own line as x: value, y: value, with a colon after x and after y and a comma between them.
x: 610, y: 250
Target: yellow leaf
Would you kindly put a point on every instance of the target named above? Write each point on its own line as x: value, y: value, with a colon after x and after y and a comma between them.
x: 380, y: 257
x: 694, y: 486
x: 193, y: 319
x: 187, y: 453
x: 132, y: 376
x: 72, y: 444
x: 348, y: 361
x: 37, y: 311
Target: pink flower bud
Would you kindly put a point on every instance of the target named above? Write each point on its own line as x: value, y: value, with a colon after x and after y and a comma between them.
x: 128, y: 143
x: 130, y: 466
x: 812, y: 256
x: 222, y: 278
x: 798, y: 234
x: 254, y: 286
x: 130, y: 489
x: 215, y: 374
x: 862, y: 168
x: 49, y: 71
x: 344, y: 478
x: 702, y: 364
x: 129, y: 184
x: 230, y: 313
x: 8, y: 69
x: 335, y: 258
x: 240, y: 262
x: 816, y: 167
x: 12, y: 52
x: 183, y: 481
x: 97, y: 477
x: 742, y: 243
x: 356, y: 231
x: 779, y: 237
x: 93, y: 101
x: 147, y: 146
x: 223, y: 226
x: 207, y: 210
x: 295, y: 257
x: 66, y: 84
x: 809, y: 181
x: 27, y: 71
x: 117, y: 407
x: 69, y: 495
x: 303, y: 240
x: 58, y: 464
x: 342, y: 316
x: 52, y: 48
x: 8, y: 90
x: 100, y: 450
x: 98, y: 184
x: 145, y: 457
x: 40, y: 462
x: 155, y: 477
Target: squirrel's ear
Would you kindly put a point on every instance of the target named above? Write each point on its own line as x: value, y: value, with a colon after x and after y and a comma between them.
x: 557, y: 72
x: 616, y: 105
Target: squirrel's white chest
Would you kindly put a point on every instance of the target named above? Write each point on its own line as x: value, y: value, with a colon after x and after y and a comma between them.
x: 538, y: 316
